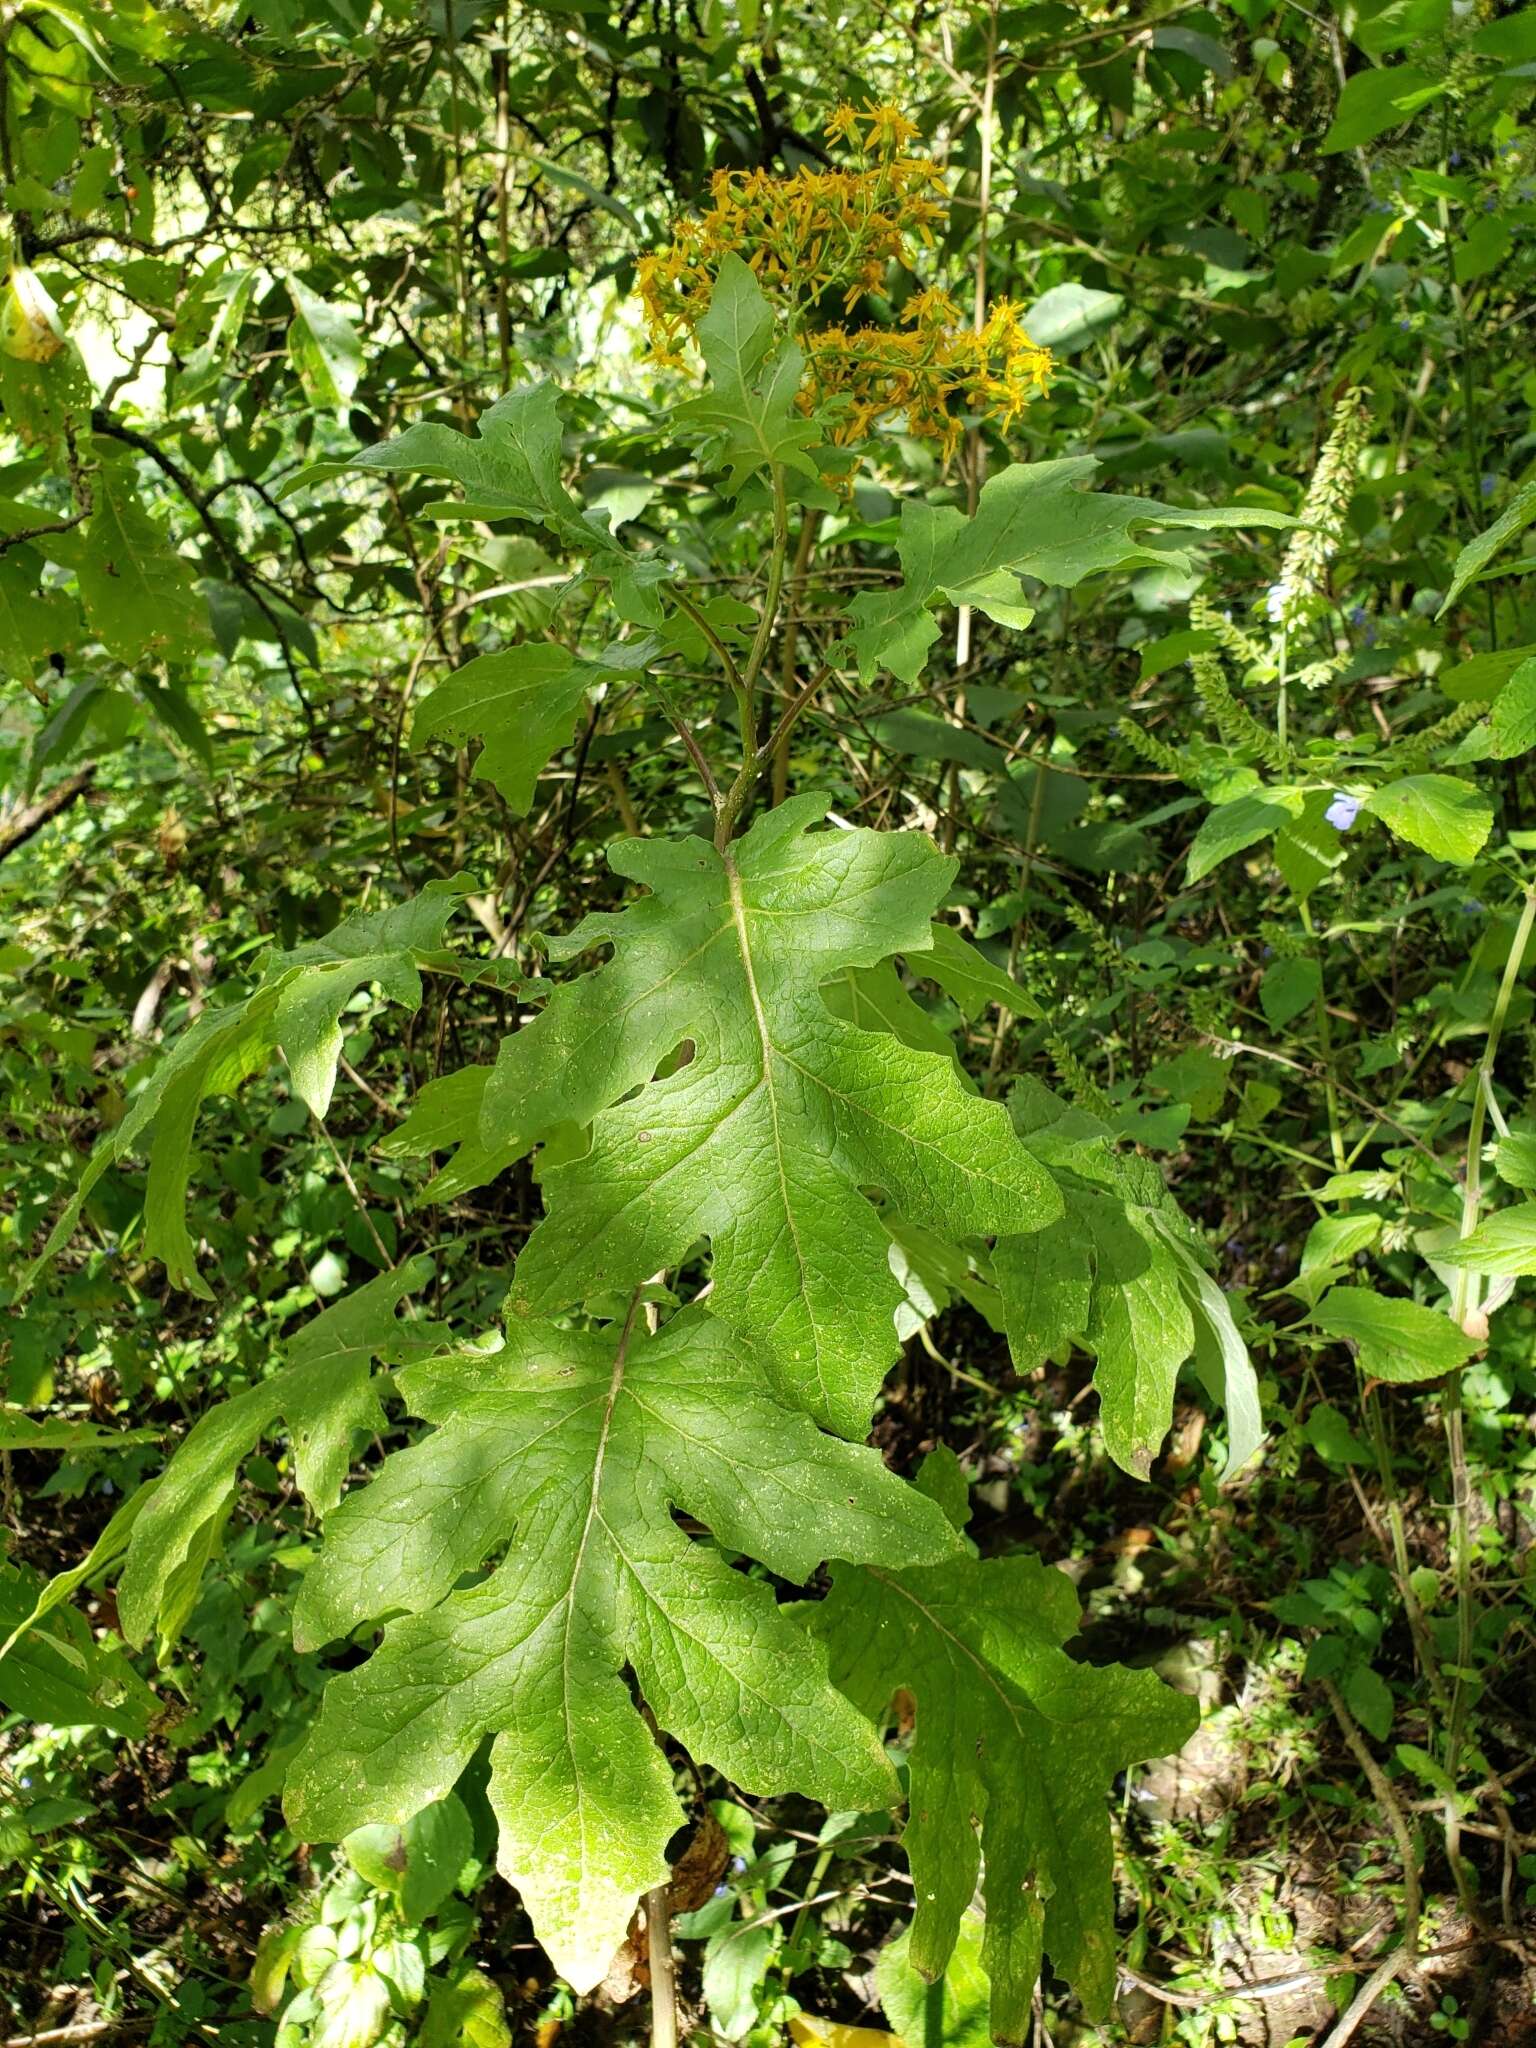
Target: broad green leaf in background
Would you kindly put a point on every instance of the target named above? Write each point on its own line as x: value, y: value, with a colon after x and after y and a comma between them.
x: 140, y: 597
x: 1374, y: 101
x: 469, y: 2011
x: 54, y: 1671
x: 1479, y: 552
x: 295, y: 1008
x: 522, y: 702
x: 1482, y: 676
x: 1503, y: 1244
x: 1013, y: 1761
x: 1032, y: 520
x: 1334, y: 1240
x: 736, y: 1960
x: 566, y: 1453
x: 445, y: 1117
x: 20, y: 1432
x: 1381, y: 26
x: 962, y: 1994
x: 33, y: 623
x: 1514, y: 1160
x: 324, y: 1393
x: 102, y: 1555
x: 1290, y: 985
x: 1397, y: 1340
x: 1310, y: 847
x: 765, y: 1140
x: 173, y: 711
x: 1122, y: 1274
x: 419, y: 1860
x: 1445, y: 816
x: 1067, y: 317
x: 1234, y: 827
x: 509, y: 467
x: 562, y: 174
x: 969, y: 978
x: 326, y: 349
x: 1512, y: 721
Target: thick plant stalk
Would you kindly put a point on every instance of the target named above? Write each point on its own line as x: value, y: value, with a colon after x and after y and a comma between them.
x: 658, y: 1941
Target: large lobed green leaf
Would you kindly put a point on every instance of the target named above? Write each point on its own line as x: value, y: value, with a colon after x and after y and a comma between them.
x: 560, y: 1460
x: 509, y: 468
x: 1124, y: 1275
x: 766, y: 1138
x: 1015, y: 1750
x: 1033, y: 520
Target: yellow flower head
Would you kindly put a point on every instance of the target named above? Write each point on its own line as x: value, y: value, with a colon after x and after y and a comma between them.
x: 818, y: 242
x: 889, y: 128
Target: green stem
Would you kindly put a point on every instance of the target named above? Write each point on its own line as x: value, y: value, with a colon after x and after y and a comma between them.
x: 1325, y: 1050
x: 770, y: 613
x: 1465, y: 1312
x: 729, y: 813
x: 722, y: 653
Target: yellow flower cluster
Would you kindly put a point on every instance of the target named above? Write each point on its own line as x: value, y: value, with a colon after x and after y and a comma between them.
x: 821, y: 237
x: 932, y: 369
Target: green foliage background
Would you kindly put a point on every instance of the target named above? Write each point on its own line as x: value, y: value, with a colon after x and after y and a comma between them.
x: 307, y: 742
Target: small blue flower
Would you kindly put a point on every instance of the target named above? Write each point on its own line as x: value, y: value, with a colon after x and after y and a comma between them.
x: 1357, y: 615
x: 1487, y: 485
x: 1490, y: 204
x: 1472, y: 908
x: 738, y: 1863
x: 1454, y: 158
x: 721, y: 1890
x: 1405, y: 325
x: 1342, y: 812
x: 1266, y: 952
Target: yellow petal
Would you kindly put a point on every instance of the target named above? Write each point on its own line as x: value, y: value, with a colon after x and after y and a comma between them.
x: 806, y: 2028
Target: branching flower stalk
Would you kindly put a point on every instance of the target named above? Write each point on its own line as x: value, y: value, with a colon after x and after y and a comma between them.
x: 1301, y: 590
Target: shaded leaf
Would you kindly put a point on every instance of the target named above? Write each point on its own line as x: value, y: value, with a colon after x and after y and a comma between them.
x: 324, y: 1392
x: 140, y: 597
x: 1502, y: 1244
x: 1479, y: 552
x: 522, y: 703
x: 1122, y: 1274
x: 1374, y: 101
x: 748, y: 420
x: 1013, y: 1761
